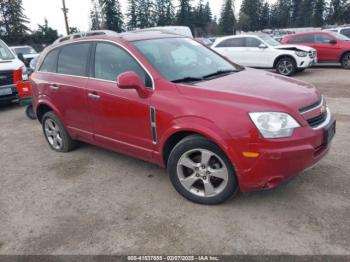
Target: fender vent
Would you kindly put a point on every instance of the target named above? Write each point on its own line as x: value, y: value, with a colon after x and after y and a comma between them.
x: 153, y: 124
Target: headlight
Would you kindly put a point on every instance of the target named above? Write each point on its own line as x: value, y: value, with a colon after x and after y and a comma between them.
x: 274, y: 124
x: 301, y: 53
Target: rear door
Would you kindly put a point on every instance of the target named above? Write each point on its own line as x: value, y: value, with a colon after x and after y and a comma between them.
x: 233, y: 48
x: 64, y: 77
x: 121, y: 117
x: 326, y: 50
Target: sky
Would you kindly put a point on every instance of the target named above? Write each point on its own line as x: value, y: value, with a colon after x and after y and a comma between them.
x: 38, y: 10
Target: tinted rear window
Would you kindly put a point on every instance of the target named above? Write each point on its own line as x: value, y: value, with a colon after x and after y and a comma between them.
x: 50, y: 62
x: 73, y: 59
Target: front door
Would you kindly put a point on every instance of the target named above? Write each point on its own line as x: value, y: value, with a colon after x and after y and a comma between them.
x: 121, y: 117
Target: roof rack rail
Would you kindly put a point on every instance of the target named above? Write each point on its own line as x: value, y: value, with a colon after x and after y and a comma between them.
x: 85, y: 34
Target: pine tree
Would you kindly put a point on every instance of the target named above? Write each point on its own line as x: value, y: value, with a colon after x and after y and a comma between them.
x: 305, y: 13
x: 95, y: 16
x: 265, y: 16
x: 145, y: 14
x: 338, y: 12
x: 295, y: 10
x: 318, y: 13
x: 132, y: 17
x: 112, y: 16
x: 45, y: 34
x: 165, y: 12
x: 249, y: 19
x: 227, y: 19
x: 13, y: 22
x: 183, y: 16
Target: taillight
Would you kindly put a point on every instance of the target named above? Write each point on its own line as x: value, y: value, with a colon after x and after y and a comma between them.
x: 17, y: 76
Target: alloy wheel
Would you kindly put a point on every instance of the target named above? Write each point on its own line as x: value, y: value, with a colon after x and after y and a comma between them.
x: 285, y: 67
x: 202, y: 172
x: 346, y: 61
x: 53, y: 134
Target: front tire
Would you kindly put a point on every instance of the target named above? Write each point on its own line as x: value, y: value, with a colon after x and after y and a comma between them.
x: 201, y: 172
x: 345, y: 61
x: 286, y: 66
x: 55, y: 133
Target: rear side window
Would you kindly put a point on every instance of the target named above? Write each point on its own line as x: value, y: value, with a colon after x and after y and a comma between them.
x: 345, y: 32
x: 111, y: 61
x: 233, y: 42
x: 73, y: 59
x: 50, y: 62
x: 302, y: 39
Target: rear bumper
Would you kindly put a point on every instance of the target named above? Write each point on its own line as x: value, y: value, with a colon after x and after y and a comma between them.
x: 10, y: 97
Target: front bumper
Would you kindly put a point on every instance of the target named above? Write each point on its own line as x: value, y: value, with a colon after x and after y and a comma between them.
x: 281, y: 159
x: 306, y: 62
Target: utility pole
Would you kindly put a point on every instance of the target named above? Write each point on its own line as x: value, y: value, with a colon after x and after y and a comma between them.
x: 65, y: 11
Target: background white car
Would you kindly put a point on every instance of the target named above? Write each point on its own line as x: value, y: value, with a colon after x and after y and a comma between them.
x: 345, y: 30
x: 27, y: 51
x: 262, y: 51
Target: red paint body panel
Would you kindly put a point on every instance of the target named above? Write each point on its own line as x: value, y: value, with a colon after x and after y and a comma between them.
x: 217, y: 109
x: 326, y: 52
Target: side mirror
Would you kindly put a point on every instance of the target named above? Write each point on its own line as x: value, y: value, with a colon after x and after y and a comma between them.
x: 130, y: 80
x: 262, y: 46
x: 332, y: 42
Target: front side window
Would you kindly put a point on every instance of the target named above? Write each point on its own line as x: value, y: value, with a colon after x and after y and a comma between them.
x: 5, y: 53
x: 111, y: 61
x: 50, y: 62
x: 73, y: 59
x: 252, y: 42
x: 323, y: 39
x: 182, y: 58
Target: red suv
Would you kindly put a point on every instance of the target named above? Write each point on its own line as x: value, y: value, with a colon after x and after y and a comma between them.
x: 330, y: 46
x: 217, y: 127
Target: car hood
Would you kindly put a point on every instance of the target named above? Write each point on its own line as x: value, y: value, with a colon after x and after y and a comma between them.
x: 295, y: 48
x: 259, y: 85
x: 10, y: 64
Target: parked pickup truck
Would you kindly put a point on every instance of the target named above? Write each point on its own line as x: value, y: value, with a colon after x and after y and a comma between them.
x: 12, y: 71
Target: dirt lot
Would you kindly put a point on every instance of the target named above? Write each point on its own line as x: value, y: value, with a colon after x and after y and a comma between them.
x: 93, y: 201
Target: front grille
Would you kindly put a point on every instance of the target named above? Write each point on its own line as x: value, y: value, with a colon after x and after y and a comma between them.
x: 316, y: 121
x: 6, y: 78
x: 312, y: 106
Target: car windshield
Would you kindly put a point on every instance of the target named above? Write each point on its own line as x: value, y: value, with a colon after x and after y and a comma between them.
x: 26, y: 50
x: 183, y: 59
x: 269, y: 40
x: 340, y: 36
x: 5, y: 53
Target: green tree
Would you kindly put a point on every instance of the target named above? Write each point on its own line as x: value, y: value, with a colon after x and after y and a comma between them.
x: 165, y: 12
x: 44, y: 34
x: 227, y: 20
x: 112, y: 16
x: 95, y: 16
x: 249, y: 15
x: 13, y: 22
x: 132, y: 16
x: 184, y: 13
x: 305, y: 13
x: 295, y: 10
x: 265, y: 16
x: 145, y: 13
x: 318, y: 13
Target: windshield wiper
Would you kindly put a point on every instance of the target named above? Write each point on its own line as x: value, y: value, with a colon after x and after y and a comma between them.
x: 219, y: 73
x: 187, y: 79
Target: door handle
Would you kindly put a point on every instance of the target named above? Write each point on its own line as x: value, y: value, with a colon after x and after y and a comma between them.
x: 54, y: 87
x: 93, y: 96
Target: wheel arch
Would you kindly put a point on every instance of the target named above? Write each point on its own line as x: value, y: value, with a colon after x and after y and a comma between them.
x: 343, y: 54
x: 44, y: 107
x: 283, y: 56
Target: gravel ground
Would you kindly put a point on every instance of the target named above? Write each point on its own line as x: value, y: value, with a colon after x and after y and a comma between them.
x: 93, y: 201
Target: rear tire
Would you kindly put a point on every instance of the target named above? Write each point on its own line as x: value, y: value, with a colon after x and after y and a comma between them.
x: 286, y: 66
x: 345, y: 61
x: 55, y: 133
x: 201, y: 172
